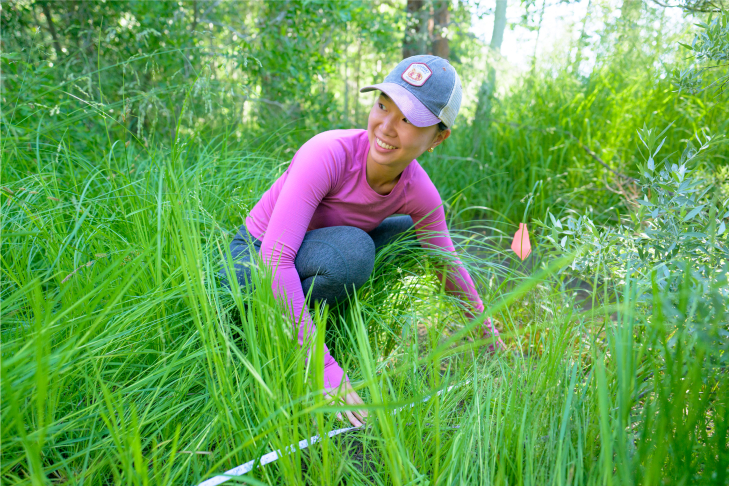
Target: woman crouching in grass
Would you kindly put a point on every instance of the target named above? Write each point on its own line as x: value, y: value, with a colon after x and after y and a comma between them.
x: 323, y: 220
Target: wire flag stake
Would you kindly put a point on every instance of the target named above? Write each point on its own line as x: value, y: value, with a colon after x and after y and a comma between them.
x: 521, y: 244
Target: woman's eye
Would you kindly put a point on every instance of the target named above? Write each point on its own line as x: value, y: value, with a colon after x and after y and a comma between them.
x: 382, y: 107
x: 406, y: 120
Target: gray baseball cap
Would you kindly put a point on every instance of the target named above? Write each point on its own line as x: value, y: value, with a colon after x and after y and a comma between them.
x: 427, y: 90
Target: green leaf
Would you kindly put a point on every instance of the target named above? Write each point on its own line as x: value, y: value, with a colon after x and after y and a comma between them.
x: 693, y: 212
x: 555, y: 221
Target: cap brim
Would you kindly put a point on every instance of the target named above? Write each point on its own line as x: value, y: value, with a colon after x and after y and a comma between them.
x: 409, y: 105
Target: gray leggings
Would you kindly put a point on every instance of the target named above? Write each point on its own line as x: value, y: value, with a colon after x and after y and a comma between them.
x: 340, y: 257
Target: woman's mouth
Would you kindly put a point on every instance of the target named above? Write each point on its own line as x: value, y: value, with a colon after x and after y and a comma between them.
x: 383, y: 145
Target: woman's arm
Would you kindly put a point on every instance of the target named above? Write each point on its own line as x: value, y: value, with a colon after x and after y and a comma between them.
x: 312, y: 174
x: 432, y: 231
x: 426, y: 208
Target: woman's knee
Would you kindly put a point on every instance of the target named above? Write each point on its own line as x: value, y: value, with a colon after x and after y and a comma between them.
x: 339, y: 256
x: 358, y: 250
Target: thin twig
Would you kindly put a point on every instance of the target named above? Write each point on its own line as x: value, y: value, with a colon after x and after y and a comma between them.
x: 704, y: 7
x: 597, y: 159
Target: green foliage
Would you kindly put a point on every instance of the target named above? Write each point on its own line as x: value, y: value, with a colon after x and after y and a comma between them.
x: 576, y: 134
x: 124, y: 362
x: 662, y: 391
x: 710, y: 50
x: 251, y: 66
x: 678, y: 223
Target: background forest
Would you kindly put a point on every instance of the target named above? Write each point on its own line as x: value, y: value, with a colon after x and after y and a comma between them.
x: 137, y: 135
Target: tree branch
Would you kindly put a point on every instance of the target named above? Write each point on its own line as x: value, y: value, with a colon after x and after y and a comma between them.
x: 224, y: 26
x: 699, y: 6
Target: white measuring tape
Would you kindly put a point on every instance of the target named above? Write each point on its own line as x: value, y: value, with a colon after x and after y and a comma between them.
x: 303, y: 444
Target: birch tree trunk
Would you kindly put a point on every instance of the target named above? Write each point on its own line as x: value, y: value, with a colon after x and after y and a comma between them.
x: 581, y: 41
x: 488, y: 87
x: 536, y: 44
x: 497, y: 36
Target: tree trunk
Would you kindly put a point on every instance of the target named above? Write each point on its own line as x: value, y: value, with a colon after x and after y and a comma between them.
x: 581, y: 41
x: 346, y: 81
x: 488, y: 87
x: 356, y: 81
x: 416, y: 28
x: 536, y: 44
x: 440, y: 31
x: 52, y: 28
x: 497, y: 37
x: 194, y: 17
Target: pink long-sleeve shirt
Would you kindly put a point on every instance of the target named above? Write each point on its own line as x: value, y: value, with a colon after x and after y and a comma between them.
x: 326, y: 185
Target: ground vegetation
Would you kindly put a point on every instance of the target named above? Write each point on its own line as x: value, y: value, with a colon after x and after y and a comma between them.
x: 136, y: 136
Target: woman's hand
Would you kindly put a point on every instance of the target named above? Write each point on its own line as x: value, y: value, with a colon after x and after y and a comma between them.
x: 489, y: 331
x: 350, y: 397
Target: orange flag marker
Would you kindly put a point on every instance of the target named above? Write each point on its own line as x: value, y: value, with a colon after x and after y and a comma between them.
x: 521, y: 244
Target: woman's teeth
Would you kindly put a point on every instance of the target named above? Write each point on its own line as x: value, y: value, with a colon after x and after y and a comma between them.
x: 384, y: 145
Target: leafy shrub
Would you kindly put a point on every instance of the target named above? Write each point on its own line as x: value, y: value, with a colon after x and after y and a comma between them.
x: 710, y: 48
x: 678, y: 225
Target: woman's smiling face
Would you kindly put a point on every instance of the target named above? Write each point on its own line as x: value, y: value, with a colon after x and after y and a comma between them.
x: 394, y: 141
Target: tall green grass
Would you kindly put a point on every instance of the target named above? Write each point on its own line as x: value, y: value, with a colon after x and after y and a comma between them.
x: 125, y: 362
x: 542, y: 138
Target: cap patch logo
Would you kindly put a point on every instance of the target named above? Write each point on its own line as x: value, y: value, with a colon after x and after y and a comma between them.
x: 417, y: 74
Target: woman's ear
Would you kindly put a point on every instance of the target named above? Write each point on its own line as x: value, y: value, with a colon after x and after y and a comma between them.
x: 440, y: 137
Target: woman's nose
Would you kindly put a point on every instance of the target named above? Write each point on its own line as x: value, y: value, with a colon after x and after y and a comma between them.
x: 388, y: 124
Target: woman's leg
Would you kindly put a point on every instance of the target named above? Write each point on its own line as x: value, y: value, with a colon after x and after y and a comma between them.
x: 390, y: 229
x: 240, y: 251
x: 336, y: 260
x: 341, y: 258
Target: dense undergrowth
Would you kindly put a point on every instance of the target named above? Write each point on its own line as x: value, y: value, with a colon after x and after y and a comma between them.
x: 125, y: 362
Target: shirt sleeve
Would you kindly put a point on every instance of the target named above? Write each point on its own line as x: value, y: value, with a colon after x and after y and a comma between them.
x: 426, y: 208
x: 313, y: 173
